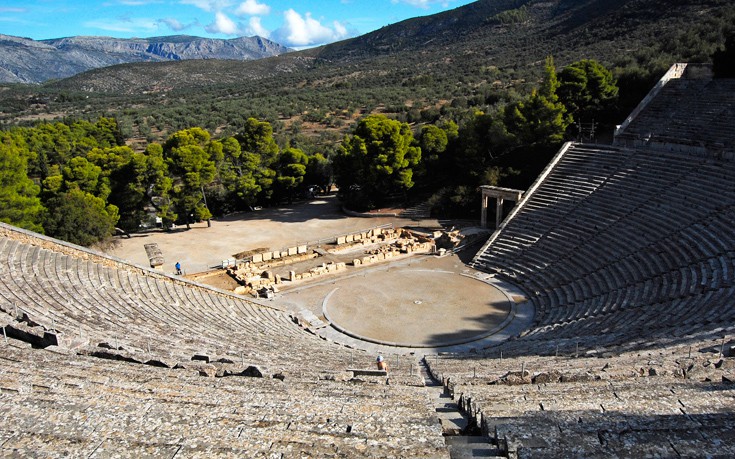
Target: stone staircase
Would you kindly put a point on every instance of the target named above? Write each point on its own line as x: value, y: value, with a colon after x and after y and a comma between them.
x: 463, y: 439
x: 417, y: 212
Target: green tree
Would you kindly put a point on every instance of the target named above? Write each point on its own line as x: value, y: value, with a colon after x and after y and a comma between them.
x: 291, y: 170
x: 319, y: 172
x: 260, y: 151
x: 433, y: 141
x: 159, y: 193
x: 189, y: 162
x: 540, y: 118
x: 377, y: 160
x: 587, y: 89
x: 237, y: 173
x: 81, y: 174
x: 19, y: 202
x: 80, y: 218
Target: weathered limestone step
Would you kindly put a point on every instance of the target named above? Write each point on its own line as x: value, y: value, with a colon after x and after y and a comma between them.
x: 452, y: 420
x: 453, y: 423
x: 467, y: 447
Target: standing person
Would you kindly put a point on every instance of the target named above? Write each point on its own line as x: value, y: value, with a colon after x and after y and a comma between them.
x: 178, y: 268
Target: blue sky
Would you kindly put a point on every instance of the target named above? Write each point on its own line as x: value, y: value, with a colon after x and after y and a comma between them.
x: 297, y: 24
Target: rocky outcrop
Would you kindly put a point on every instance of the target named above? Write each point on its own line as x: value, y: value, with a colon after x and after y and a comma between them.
x: 23, y: 60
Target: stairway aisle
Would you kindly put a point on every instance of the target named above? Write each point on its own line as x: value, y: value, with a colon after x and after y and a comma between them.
x: 464, y: 441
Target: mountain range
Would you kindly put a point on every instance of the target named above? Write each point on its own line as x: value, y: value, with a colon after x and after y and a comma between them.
x: 23, y: 60
x: 475, y: 57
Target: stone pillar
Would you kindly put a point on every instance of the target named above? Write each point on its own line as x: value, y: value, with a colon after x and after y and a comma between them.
x: 500, y: 195
x: 498, y: 211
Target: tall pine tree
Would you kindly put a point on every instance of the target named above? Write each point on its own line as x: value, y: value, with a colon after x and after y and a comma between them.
x: 19, y: 202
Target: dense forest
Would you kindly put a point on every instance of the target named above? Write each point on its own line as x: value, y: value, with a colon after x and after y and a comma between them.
x: 79, y: 181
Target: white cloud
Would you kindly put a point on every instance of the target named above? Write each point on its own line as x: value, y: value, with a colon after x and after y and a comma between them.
x: 222, y: 24
x: 133, y: 26
x: 256, y: 28
x: 174, y: 24
x: 301, y: 31
x: 209, y: 5
x: 253, y: 8
x: 340, y: 29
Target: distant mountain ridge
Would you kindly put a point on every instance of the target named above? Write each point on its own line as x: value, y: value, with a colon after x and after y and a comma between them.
x: 23, y: 60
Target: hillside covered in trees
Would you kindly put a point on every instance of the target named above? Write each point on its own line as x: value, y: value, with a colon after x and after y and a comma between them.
x: 426, y: 109
x: 79, y: 181
x: 416, y: 71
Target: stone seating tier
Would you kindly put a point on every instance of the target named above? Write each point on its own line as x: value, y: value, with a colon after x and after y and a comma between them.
x: 67, y: 405
x: 646, y: 247
x: 86, y: 300
x: 689, y: 112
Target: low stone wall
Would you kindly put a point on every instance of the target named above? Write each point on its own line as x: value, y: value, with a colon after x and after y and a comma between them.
x: 374, y: 235
x: 324, y: 268
x: 264, y: 257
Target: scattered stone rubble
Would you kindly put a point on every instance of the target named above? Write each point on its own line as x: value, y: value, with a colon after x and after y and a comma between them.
x: 255, y: 276
x: 257, y: 279
x: 405, y: 242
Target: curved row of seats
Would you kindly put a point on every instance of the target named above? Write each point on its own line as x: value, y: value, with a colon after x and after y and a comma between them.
x: 65, y: 405
x: 645, y: 417
x: 617, y: 244
x: 687, y: 111
x: 90, y: 299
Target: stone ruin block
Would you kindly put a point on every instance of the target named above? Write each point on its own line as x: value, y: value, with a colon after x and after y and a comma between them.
x: 278, y: 279
x: 356, y: 262
x: 292, y: 251
x: 258, y: 258
x: 277, y: 254
x: 357, y: 237
x: 292, y: 275
x: 267, y: 256
x: 301, y: 249
x: 349, y: 238
x: 341, y: 240
x: 341, y: 265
